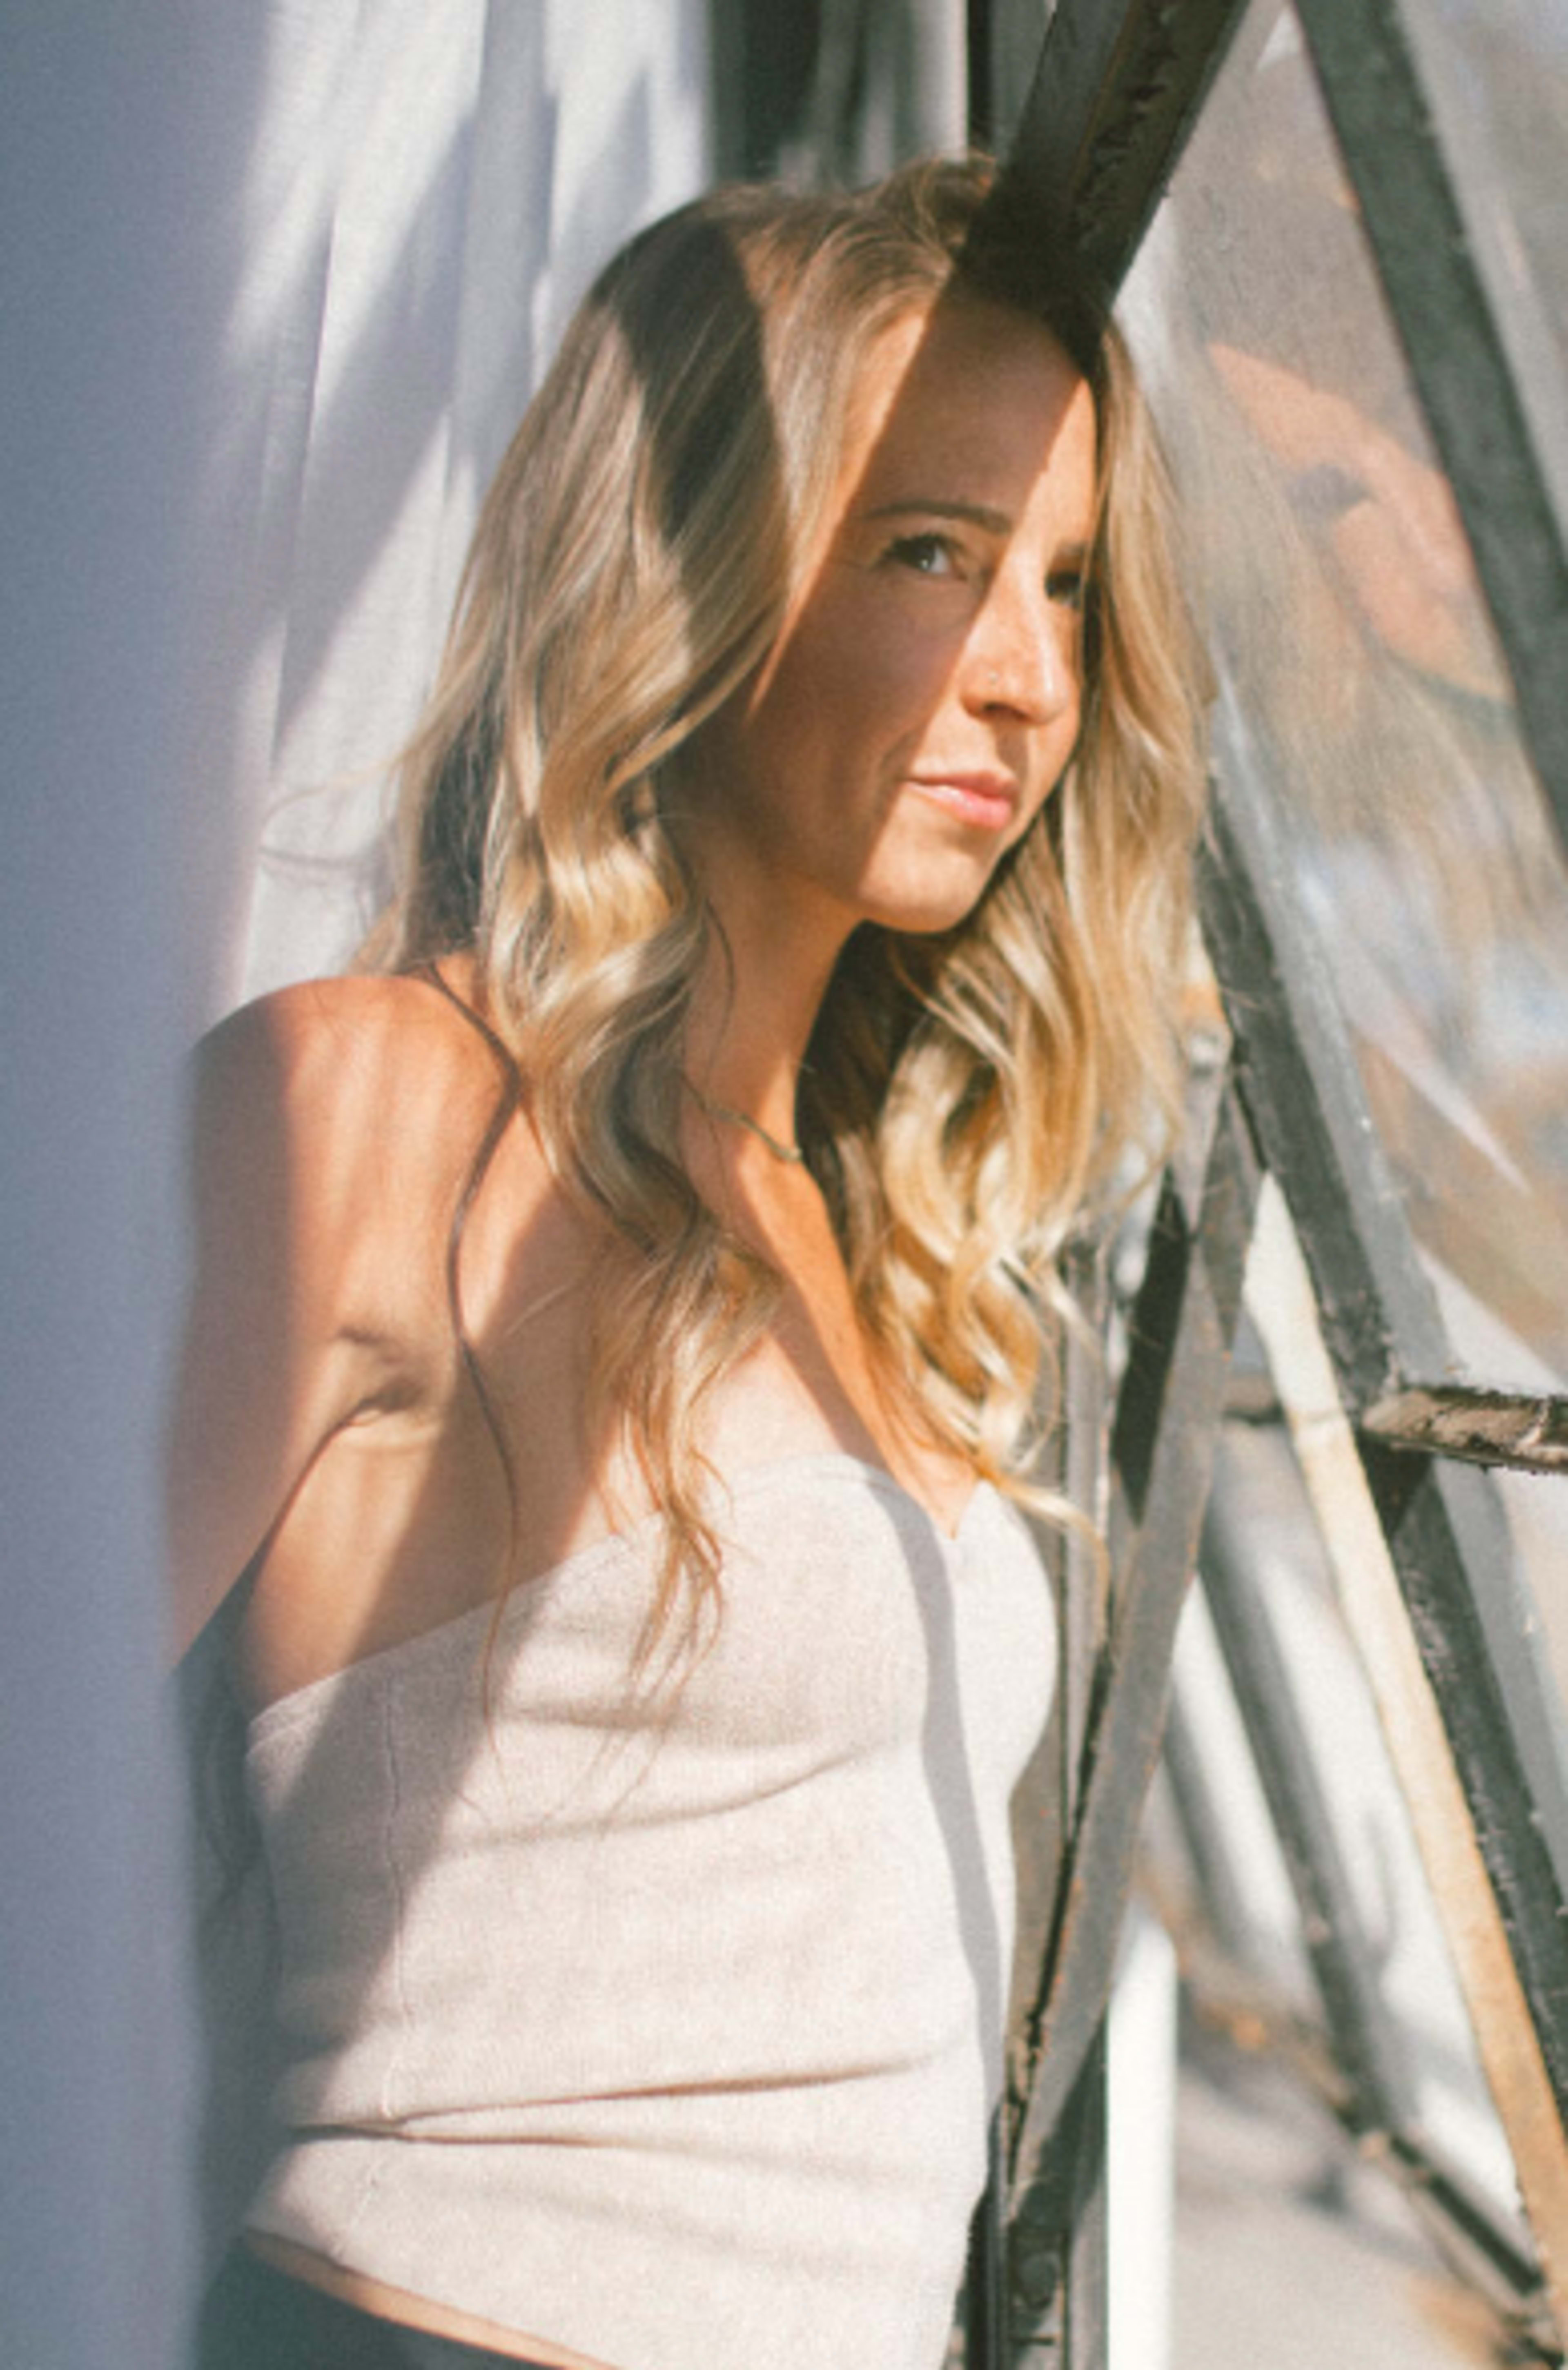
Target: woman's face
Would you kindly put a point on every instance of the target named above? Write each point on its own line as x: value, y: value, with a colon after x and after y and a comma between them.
x: 924, y: 696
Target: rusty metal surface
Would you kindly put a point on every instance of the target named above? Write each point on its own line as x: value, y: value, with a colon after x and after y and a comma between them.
x: 1233, y: 1995
x: 1529, y: 1434
x: 1057, y: 2294
x: 1170, y: 1409
x: 1053, y: 2301
x: 1460, y: 1856
x: 1118, y: 86
x: 984, y: 2341
x: 1117, y: 90
x: 1474, y: 1625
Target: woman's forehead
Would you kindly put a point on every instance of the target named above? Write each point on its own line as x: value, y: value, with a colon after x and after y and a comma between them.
x: 968, y: 384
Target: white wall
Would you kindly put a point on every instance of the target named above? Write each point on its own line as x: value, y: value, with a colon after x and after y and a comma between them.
x: 432, y: 185
x: 277, y: 274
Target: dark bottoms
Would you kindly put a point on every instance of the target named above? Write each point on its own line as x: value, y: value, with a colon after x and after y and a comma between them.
x: 259, y: 2318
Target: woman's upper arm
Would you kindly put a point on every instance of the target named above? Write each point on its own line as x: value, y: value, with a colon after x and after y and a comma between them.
x: 267, y: 1372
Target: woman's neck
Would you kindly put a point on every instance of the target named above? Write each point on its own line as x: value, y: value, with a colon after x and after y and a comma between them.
x: 752, y: 1018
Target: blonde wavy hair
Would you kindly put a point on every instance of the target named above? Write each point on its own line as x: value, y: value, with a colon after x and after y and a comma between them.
x: 967, y: 1097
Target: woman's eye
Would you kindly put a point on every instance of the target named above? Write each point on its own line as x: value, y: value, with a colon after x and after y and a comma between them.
x: 926, y: 554
x: 1069, y: 586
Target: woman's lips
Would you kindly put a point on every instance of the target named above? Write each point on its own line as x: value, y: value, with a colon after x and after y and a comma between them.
x: 987, y: 800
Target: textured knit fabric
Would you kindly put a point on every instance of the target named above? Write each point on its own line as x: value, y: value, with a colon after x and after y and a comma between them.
x: 662, y: 2017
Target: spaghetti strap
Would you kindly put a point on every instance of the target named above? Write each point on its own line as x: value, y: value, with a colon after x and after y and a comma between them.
x: 508, y: 1103
x: 506, y: 1061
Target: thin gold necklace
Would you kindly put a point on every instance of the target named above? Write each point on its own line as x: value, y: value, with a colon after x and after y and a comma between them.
x: 790, y: 1153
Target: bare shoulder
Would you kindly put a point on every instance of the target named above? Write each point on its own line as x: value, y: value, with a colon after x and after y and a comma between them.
x: 347, y: 1078
x: 335, y: 1127
x: 354, y: 1038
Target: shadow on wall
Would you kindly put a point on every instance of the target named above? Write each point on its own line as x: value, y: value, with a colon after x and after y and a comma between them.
x: 116, y: 156
x: 426, y: 201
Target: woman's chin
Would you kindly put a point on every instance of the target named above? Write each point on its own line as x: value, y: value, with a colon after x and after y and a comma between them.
x: 927, y: 909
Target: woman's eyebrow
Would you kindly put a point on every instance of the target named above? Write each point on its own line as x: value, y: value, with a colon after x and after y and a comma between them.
x: 978, y: 514
x: 1074, y: 554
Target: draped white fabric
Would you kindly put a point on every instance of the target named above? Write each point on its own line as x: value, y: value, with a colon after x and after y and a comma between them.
x: 279, y: 279
x: 431, y: 188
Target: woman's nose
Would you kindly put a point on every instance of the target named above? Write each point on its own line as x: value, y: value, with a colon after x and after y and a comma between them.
x: 1022, y: 656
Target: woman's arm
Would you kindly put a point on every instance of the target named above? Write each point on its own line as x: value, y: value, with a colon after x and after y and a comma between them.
x: 299, y: 1302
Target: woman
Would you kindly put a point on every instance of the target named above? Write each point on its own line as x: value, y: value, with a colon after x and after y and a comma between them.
x: 621, y: 1317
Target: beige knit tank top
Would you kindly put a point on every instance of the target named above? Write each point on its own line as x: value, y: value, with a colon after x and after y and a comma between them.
x: 664, y: 2020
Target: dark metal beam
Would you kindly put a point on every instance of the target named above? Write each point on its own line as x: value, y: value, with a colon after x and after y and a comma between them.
x: 1168, y: 1414
x: 1118, y: 86
x: 1005, y: 38
x: 1053, y: 2303
x: 984, y: 2321
x: 1058, y: 2242
x: 1474, y: 1624
x: 1451, y: 320
x: 1481, y: 1427
x: 1366, y: 2041
x: 1085, y: 2340
x: 1482, y: 2242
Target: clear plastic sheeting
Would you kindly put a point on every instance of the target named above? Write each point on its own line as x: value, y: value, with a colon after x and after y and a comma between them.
x: 1496, y: 73
x: 1360, y: 686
